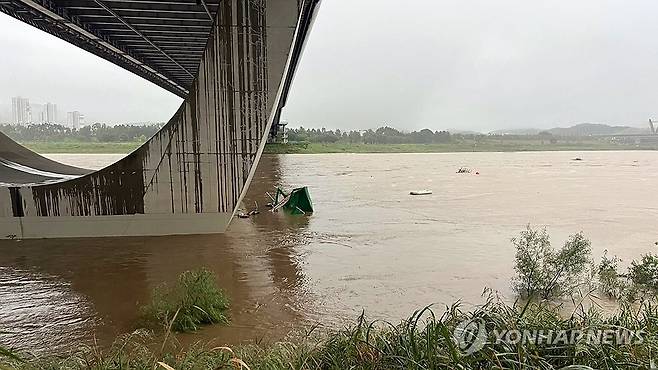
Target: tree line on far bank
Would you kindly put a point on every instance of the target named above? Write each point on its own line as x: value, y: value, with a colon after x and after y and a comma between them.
x: 382, y: 135
x: 97, y: 132
x: 100, y: 132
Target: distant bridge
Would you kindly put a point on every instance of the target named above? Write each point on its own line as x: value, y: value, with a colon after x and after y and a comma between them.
x: 232, y: 60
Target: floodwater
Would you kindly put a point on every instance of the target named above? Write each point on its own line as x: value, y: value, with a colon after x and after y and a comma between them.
x: 369, y: 245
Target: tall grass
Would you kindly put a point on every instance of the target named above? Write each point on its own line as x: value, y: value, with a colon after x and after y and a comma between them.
x: 423, y: 341
x: 194, y: 300
x: 8, y: 354
x: 428, y: 339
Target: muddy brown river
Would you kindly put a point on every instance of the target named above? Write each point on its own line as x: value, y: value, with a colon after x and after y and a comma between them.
x: 369, y: 245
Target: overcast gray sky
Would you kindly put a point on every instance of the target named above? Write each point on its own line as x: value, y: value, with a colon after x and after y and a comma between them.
x: 472, y: 65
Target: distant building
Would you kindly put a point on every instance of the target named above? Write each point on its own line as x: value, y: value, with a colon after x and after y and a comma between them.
x: 42, y: 117
x: 20, y: 111
x: 38, y: 112
x: 50, y: 113
x: 74, y: 119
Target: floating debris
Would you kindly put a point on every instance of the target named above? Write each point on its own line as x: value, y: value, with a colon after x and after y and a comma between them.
x: 254, y: 211
x: 464, y: 170
x: 420, y: 192
x: 298, y: 202
x: 577, y: 159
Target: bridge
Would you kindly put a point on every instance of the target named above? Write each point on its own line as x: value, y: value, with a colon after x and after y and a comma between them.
x: 232, y: 61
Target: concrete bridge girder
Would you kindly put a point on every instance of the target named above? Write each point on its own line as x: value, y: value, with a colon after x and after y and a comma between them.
x: 190, y: 177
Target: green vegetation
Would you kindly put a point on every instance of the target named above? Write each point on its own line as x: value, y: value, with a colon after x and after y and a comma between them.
x: 382, y: 135
x: 99, y: 138
x: 318, y: 148
x: 390, y: 140
x: 640, y: 282
x: 82, y: 147
x: 449, y: 338
x: 7, y: 354
x: 193, y: 301
x: 467, y: 144
x: 645, y: 273
x: 610, y: 281
x: 423, y: 341
x: 484, y: 145
x: 544, y: 272
x: 96, y: 133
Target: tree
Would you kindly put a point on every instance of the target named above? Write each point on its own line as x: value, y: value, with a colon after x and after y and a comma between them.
x: 425, y: 136
x: 96, y: 132
x: 644, y: 274
x: 354, y: 137
x: 545, y: 273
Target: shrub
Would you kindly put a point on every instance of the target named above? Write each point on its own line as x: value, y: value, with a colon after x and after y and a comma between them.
x: 610, y: 281
x: 638, y: 284
x: 644, y: 274
x: 546, y: 273
x: 9, y: 354
x: 193, y: 301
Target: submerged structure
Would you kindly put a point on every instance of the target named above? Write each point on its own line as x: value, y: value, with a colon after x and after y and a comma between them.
x: 231, y: 60
x: 297, y: 202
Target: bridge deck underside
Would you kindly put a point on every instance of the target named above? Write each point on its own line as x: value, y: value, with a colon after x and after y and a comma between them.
x: 160, y: 40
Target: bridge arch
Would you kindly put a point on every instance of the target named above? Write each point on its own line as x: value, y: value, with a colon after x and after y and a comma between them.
x: 190, y: 176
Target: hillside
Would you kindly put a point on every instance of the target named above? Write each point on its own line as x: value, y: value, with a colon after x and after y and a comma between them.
x: 582, y: 129
x: 589, y: 129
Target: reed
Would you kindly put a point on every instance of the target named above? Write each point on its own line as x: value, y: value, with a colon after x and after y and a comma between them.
x: 426, y: 340
x: 431, y: 338
x: 194, y: 300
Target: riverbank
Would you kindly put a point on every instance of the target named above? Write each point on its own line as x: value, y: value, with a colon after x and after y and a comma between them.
x: 453, y: 147
x: 80, y: 147
x: 495, y: 335
x: 489, y: 145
